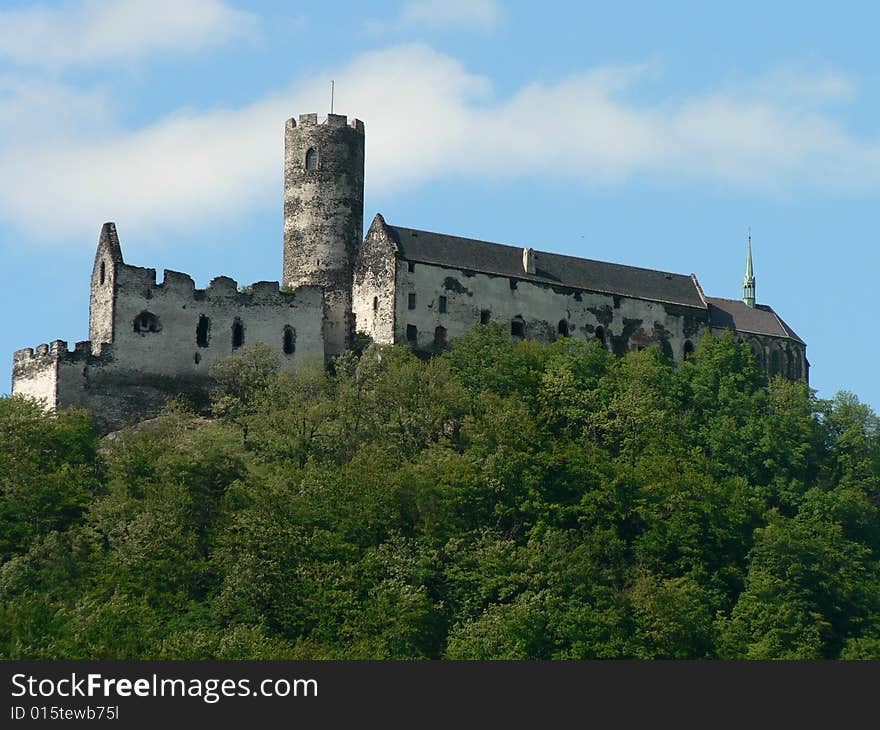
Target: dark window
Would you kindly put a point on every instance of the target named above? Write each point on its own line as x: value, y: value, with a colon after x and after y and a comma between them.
x: 518, y: 328
x: 203, y: 331
x: 237, y: 334
x: 442, y: 305
x: 485, y: 316
x: 197, y: 358
x: 562, y: 328
x: 440, y: 337
x: 375, y: 303
x: 513, y: 283
x: 146, y: 322
x: 411, y: 301
x: 103, y: 271
x: 412, y: 334
x: 410, y: 266
x: 600, y: 335
x: 289, y: 340
x: 312, y: 159
x: 688, y: 349
x: 775, y: 362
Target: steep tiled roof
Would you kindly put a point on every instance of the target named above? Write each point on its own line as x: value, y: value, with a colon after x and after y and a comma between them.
x: 550, y: 268
x: 760, y: 319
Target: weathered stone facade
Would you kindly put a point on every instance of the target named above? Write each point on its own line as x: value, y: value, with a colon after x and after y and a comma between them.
x: 324, y: 214
x: 149, y: 341
x: 155, y: 340
x: 424, y: 289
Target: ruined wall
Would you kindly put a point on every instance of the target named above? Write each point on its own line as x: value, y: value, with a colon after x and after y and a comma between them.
x: 168, y: 342
x: 103, y: 285
x: 545, y: 311
x: 35, y: 373
x: 373, y: 288
x: 167, y: 353
x: 324, y: 214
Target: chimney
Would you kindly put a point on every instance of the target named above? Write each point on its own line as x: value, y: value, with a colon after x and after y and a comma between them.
x: 529, y: 260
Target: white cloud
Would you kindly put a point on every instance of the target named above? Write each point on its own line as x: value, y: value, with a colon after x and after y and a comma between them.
x: 91, y: 31
x: 427, y: 117
x: 480, y: 15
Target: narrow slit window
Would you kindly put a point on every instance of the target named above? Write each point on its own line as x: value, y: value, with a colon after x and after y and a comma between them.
x: 289, y: 340
x: 103, y: 272
x: 375, y: 303
x: 237, y: 334
x: 411, y: 301
x: 203, y: 331
x: 442, y: 305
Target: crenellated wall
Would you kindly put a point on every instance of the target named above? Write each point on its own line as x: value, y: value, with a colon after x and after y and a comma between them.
x: 262, y: 311
x: 159, y: 348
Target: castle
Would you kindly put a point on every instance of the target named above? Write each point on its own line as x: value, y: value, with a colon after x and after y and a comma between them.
x: 149, y: 340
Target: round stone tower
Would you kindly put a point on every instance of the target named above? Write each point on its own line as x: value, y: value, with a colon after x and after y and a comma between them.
x: 324, y: 214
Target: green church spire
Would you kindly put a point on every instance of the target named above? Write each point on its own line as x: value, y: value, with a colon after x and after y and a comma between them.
x: 749, y: 278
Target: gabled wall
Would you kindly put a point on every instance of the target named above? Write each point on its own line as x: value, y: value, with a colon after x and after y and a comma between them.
x: 373, y: 288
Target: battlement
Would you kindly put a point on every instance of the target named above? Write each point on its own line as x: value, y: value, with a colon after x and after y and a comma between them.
x: 59, y: 351
x: 141, y: 282
x: 331, y: 120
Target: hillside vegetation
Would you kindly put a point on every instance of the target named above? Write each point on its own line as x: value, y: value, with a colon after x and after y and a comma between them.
x: 498, y: 501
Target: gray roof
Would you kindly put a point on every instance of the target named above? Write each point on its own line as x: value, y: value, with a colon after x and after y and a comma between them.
x: 550, y: 268
x: 760, y: 319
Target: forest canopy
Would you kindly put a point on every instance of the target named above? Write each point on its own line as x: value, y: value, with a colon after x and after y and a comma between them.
x: 499, y: 501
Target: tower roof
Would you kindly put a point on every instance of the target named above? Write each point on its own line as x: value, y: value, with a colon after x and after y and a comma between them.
x: 749, y: 278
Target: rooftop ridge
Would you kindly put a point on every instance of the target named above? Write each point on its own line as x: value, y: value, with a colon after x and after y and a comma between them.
x: 538, y: 251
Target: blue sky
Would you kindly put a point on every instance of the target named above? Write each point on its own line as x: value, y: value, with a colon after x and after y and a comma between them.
x: 651, y: 134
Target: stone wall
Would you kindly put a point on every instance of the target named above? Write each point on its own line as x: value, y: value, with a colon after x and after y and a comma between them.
x: 324, y: 214
x: 159, y: 348
x: 539, y: 311
x: 373, y: 287
x: 167, y: 341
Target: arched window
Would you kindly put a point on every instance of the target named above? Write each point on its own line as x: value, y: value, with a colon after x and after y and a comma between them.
x: 103, y: 272
x: 203, y: 331
x: 688, y: 349
x: 517, y: 327
x: 600, y: 335
x: 312, y: 159
x: 289, y: 340
x: 439, y: 337
x: 146, y: 322
x: 775, y: 362
x: 237, y: 334
x: 562, y: 328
